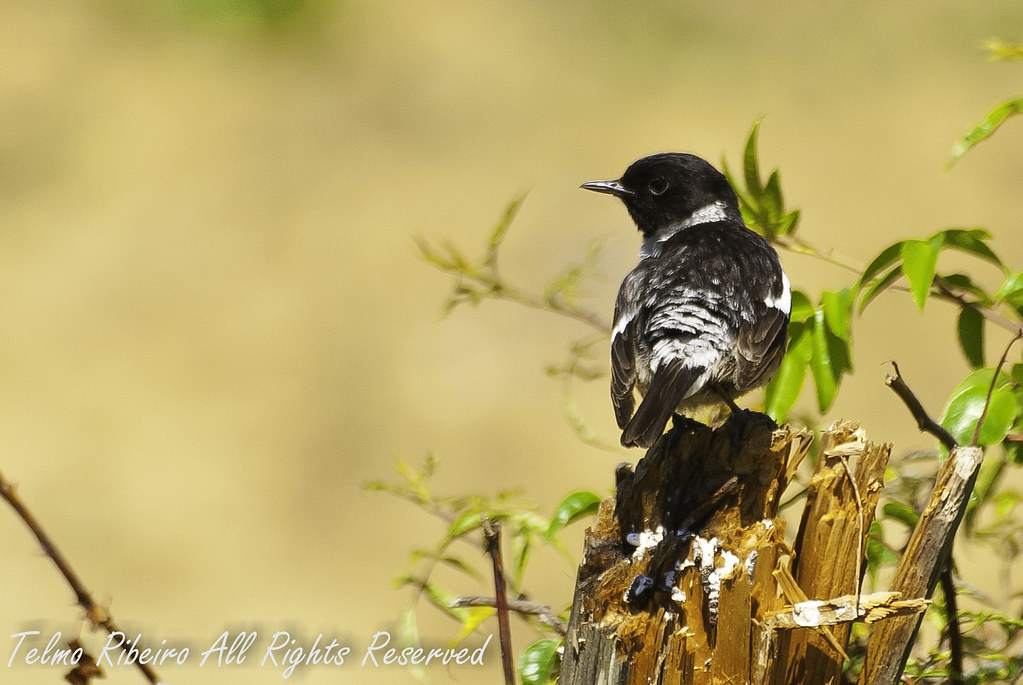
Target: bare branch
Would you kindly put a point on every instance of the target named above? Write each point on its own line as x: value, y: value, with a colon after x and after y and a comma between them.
x: 520, y: 606
x: 955, y: 635
x: 927, y: 553
x: 923, y: 420
x: 96, y: 614
x: 492, y: 539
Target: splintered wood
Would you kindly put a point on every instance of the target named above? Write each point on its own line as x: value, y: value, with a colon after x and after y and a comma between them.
x: 683, y: 573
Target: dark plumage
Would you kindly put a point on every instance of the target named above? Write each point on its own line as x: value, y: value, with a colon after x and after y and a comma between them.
x: 703, y: 317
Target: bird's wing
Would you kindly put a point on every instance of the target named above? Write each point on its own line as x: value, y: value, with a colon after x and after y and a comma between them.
x: 669, y: 386
x: 623, y: 362
x: 760, y: 345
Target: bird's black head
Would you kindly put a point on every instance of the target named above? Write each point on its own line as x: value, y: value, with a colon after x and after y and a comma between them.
x: 663, y: 190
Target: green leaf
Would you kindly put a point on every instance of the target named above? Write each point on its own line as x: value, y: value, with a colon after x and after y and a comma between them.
x: 967, y: 285
x: 1017, y: 373
x: 887, y: 257
x: 470, y: 619
x: 969, y: 240
x: 1003, y: 50
x: 880, y: 286
x: 919, y: 260
x: 1011, y: 291
x: 1014, y: 449
x: 537, y: 664
x: 802, y: 307
x: 829, y: 360
x: 970, y: 327
x: 408, y: 635
x: 468, y: 520
x: 772, y: 204
x: 820, y: 364
x: 787, y: 225
x: 750, y: 165
x: 988, y: 477
x: 575, y: 506
x: 986, y: 128
x: 902, y: 512
x: 837, y: 308
x: 783, y: 391
x: 966, y: 404
x: 878, y: 553
x: 1005, y: 502
x: 459, y: 565
x: 497, y: 235
x: 522, y: 545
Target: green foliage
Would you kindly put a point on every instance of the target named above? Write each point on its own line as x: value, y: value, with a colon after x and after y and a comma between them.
x: 970, y: 399
x: 761, y: 203
x: 459, y: 548
x: 1001, y: 50
x: 477, y: 280
x: 878, y: 553
x: 989, y: 638
x: 538, y: 664
x: 985, y: 408
x: 986, y: 128
x: 574, y: 507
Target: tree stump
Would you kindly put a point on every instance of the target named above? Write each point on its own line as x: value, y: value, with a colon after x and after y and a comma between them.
x: 685, y: 578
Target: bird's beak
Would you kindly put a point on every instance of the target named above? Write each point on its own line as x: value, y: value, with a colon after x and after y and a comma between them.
x: 609, y: 187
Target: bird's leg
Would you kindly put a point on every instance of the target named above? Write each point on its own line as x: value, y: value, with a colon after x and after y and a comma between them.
x: 732, y: 406
x: 741, y: 419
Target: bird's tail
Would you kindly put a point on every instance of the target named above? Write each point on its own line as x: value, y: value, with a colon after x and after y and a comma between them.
x: 670, y: 385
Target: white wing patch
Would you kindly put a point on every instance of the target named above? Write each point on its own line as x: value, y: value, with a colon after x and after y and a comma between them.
x: 622, y: 323
x: 784, y: 301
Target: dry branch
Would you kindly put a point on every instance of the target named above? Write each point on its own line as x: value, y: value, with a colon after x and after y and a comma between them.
x: 492, y: 543
x: 921, y: 563
x: 525, y: 607
x: 96, y: 614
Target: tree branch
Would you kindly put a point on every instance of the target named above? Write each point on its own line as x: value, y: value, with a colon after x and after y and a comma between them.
x: 519, y: 606
x: 991, y: 388
x: 923, y: 420
x: 97, y: 615
x: 955, y: 635
x: 492, y: 538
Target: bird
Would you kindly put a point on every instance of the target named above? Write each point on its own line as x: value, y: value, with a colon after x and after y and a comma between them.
x: 703, y: 317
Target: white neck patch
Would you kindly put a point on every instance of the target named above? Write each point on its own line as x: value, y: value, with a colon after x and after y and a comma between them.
x: 708, y: 214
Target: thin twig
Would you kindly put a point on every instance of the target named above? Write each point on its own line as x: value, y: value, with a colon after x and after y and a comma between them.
x: 519, y: 606
x: 492, y: 538
x: 942, y: 288
x: 947, y: 291
x: 923, y: 420
x: 955, y: 635
x: 991, y: 388
x: 96, y: 614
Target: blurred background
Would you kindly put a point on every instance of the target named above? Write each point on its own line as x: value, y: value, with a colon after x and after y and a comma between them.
x: 216, y: 328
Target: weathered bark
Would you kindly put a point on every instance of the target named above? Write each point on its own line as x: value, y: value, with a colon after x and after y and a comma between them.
x: 838, y: 512
x: 680, y: 576
x: 926, y: 553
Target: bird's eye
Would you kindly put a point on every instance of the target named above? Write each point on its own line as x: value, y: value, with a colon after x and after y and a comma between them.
x: 658, y: 186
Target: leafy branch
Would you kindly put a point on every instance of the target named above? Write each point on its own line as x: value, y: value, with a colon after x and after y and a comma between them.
x: 985, y: 409
x: 480, y: 279
x: 465, y: 519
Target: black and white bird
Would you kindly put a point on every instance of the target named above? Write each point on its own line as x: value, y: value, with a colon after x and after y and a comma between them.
x: 703, y: 318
